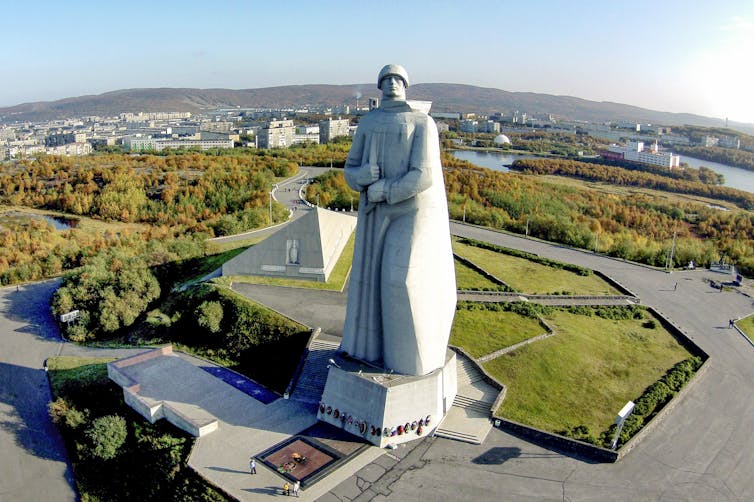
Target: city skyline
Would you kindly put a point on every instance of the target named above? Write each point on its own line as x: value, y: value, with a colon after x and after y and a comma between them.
x: 668, y: 56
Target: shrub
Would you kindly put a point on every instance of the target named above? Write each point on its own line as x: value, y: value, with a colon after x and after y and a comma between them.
x: 210, y: 315
x: 106, y: 435
x: 62, y: 412
x: 157, y: 319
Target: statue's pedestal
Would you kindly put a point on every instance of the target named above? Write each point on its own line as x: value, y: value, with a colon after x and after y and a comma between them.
x: 387, y: 408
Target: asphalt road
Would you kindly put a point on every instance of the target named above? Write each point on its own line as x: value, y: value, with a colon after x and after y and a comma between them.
x: 33, y: 461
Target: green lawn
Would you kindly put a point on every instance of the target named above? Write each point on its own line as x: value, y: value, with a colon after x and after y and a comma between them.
x: 747, y: 326
x: 336, y: 282
x: 469, y: 279
x: 66, y: 372
x: 481, y: 332
x: 533, y: 278
x: 585, y: 373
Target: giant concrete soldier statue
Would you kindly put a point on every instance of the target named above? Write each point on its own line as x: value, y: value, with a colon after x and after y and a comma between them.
x: 402, y: 291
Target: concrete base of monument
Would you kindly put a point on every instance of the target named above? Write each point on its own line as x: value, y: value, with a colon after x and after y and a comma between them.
x: 387, y: 408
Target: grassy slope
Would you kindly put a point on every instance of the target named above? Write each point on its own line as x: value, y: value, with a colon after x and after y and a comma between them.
x: 470, y: 279
x: 747, y: 326
x: 585, y: 373
x: 482, y: 332
x: 531, y: 278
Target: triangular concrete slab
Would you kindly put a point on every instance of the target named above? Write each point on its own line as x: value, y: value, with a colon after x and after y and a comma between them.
x: 307, y: 248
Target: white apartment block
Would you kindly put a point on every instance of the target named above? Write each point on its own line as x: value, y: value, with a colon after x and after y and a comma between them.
x: 68, y: 149
x: 141, y: 143
x: 144, y: 117
x: 277, y: 134
x: 331, y: 129
x: 634, y: 151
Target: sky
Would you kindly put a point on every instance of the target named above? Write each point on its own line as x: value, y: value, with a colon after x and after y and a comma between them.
x: 673, y: 55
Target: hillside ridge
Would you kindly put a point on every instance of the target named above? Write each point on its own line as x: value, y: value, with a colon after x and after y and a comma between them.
x: 445, y: 97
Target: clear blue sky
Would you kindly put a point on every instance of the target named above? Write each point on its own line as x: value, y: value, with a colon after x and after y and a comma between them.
x: 673, y: 55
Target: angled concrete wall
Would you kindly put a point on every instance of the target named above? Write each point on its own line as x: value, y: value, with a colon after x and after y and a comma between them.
x: 307, y: 248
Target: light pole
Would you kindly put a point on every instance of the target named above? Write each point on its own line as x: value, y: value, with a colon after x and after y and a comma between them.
x: 464, y: 211
x: 621, y: 419
x: 270, y: 207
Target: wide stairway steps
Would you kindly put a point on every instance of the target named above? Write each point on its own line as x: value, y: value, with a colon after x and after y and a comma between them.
x: 311, y: 381
x: 469, y: 403
x: 468, y: 419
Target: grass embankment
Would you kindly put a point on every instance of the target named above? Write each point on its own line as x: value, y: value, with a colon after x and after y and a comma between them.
x: 468, y: 279
x: 335, y: 282
x: 586, y: 372
x: 483, y: 329
x: 114, y: 452
x: 218, y: 324
x: 747, y: 326
x: 528, y: 277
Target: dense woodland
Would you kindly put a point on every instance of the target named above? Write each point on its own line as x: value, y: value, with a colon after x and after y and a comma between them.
x: 639, y: 227
x: 729, y: 156
x: 157, y: 210
x: 174, y: 201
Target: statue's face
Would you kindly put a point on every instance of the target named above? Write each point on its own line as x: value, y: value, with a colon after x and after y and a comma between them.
x: 393, y: 87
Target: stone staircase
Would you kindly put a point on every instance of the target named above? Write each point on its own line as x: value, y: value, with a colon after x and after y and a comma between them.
x: 468, y: 403
x: 468, y: 420
x: 311, y: 381
x: 468, y: 373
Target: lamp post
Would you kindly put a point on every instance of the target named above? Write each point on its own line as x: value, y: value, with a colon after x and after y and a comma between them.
x: 621, y: 419
x: 270, y: 207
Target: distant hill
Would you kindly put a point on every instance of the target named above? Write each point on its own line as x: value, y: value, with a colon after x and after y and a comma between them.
x: 445, y: 97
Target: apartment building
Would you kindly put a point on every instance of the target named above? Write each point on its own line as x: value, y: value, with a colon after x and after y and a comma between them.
x: 331, y: 129
x: 276, y: 134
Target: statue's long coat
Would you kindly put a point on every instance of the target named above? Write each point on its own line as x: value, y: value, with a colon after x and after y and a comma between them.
x: 402, y: 292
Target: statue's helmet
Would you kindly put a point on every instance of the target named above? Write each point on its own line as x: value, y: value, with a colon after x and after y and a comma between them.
x: 393, y: 69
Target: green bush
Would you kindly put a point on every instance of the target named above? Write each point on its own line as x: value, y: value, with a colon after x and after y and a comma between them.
x: 657, y: 395
x: 110, y: 291
x: 106, y: 435
x: 210, y: 315
x: 62, y: 412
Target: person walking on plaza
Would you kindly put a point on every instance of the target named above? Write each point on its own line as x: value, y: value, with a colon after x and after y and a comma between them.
x: 286, y: 489
x: 296, y: 487
x: 252, y: 465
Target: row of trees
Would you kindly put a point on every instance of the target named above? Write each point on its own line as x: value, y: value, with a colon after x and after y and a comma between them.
x: 729, y: 156
x: 620, y: 176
